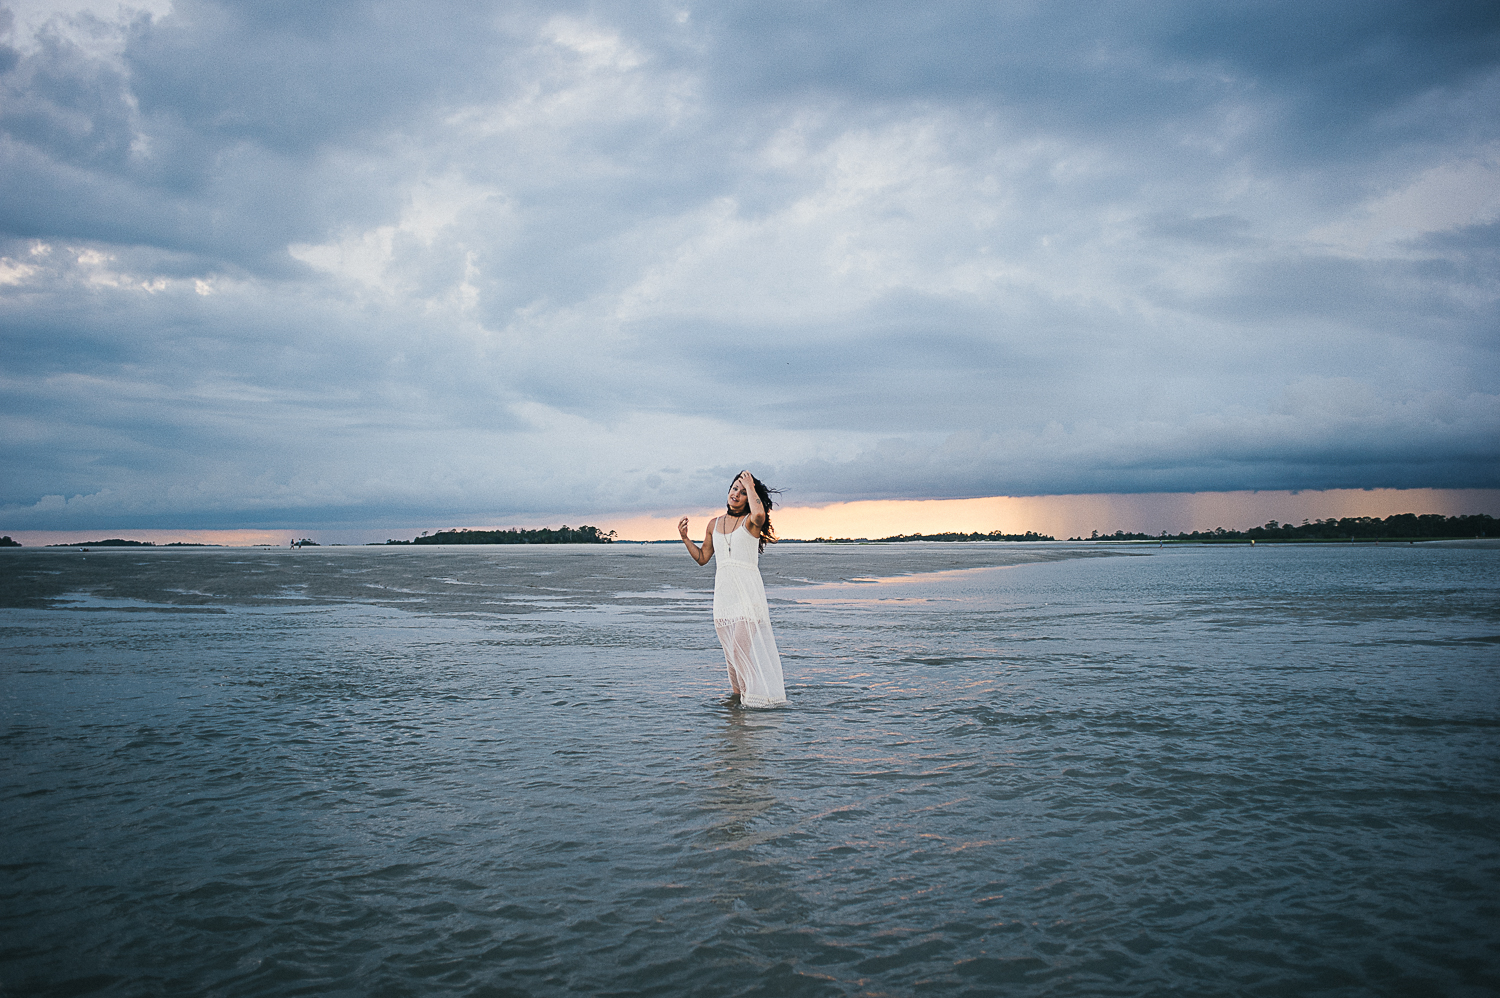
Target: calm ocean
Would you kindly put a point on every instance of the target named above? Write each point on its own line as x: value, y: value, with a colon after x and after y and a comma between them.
x: 1034, y: 770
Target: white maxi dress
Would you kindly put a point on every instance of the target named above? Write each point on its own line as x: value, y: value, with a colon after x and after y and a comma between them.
x: 743, y: 621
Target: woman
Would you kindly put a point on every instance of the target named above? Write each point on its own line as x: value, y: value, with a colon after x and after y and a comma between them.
x: 740, y: 614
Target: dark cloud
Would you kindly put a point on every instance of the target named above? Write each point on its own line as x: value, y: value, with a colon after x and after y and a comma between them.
x: 1300, y: 83
x: 266, y: 263
x: 1323, y: 433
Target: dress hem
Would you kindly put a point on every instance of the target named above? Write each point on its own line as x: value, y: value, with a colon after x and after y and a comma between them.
x: 759, y: 703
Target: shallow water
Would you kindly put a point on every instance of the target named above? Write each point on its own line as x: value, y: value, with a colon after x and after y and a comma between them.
x: 1006, y: 769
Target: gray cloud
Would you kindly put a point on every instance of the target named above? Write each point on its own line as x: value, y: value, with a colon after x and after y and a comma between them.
x: 367, y: 262
x: 1323, y: 433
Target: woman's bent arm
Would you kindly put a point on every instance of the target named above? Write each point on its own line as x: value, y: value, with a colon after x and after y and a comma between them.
x: 699, y: 554
x: 752, y: 499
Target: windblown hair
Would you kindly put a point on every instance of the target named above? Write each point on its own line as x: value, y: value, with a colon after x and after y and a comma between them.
x: 767, y: 533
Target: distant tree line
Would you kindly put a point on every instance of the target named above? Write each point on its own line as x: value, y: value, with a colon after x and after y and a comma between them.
x: 1401, y: 526
x: 546, y: 535
x: 993, y: 535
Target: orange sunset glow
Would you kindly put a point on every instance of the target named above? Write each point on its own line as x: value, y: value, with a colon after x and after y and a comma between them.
x: 1078, y: 515
x: 1058, y: 516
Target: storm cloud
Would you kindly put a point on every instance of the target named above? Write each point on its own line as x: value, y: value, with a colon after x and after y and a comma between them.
x: 378, y: 262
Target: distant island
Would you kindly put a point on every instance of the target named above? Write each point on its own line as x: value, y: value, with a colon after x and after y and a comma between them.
x: 113, y: 542
x: 1399, y: 527
x: 993, y: 535
x: 515, y: 535
x: 6, y: 542
x: 120, y: 542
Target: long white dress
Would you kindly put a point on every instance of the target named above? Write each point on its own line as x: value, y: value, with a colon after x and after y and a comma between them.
x: 743, y: 621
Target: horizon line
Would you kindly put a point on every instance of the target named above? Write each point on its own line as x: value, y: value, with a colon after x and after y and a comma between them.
x: 1063, y: 516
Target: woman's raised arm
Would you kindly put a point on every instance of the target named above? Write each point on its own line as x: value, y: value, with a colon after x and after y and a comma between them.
x: 752, y: 499
x: 699, y: 554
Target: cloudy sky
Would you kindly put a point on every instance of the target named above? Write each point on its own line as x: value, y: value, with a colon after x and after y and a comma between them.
x: 285, y: 263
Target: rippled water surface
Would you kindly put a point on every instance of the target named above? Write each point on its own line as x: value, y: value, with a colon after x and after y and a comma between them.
x: 1005, y: 770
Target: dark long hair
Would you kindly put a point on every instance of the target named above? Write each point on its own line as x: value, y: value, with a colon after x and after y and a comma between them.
x: 767, y: 533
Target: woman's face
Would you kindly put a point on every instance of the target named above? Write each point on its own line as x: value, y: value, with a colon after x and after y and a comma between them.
x: 736, y: 495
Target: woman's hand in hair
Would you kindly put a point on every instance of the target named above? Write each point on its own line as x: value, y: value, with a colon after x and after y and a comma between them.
x: 755, y: 510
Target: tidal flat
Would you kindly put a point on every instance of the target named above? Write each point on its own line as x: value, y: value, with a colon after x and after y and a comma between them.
x: 1018, y: 769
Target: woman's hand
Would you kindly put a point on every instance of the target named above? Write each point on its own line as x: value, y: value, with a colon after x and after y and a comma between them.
x: 700, y: 554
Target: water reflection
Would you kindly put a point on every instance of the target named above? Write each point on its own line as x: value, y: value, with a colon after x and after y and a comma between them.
x: 740, y: 790
x: 754, y: 884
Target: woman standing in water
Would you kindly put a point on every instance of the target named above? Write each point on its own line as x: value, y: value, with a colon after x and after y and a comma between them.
x: 740, y: 614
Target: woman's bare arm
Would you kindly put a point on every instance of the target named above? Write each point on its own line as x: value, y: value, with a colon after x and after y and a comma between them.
x: 757, y: 518
x: 699, y: 554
